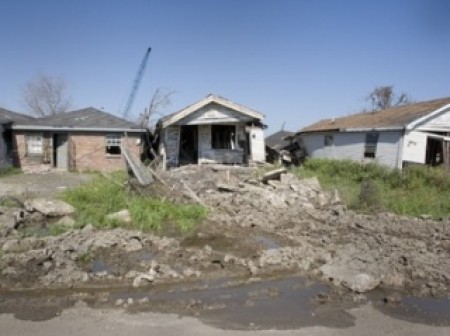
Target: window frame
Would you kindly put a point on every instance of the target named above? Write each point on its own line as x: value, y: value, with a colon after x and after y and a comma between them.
x: 29, y: 139
x: 328, y: 140
x: 370, y: 145
x: 232, y: 129
x: 113, y: 140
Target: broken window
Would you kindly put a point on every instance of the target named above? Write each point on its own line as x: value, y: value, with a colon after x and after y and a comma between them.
x: 370, y: 149
x: 328, y: 140
x: 113, y: 142
x: 34, y: 144
x: 223, y: 136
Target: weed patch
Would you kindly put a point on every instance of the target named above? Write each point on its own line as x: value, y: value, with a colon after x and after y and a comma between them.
x: 94, y: 201
x: 415, y: 191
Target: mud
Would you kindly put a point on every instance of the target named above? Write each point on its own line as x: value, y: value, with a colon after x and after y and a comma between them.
x: 256, y: 231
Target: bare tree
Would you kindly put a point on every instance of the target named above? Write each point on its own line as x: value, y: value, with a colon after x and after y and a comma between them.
x: 46, y: 95
x: 160, y: 99
x: 383, y: 97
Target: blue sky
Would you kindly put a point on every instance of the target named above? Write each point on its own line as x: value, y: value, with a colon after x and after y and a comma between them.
x: 296, y: 61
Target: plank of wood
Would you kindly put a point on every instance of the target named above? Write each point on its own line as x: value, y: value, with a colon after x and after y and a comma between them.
x: 139, y: 170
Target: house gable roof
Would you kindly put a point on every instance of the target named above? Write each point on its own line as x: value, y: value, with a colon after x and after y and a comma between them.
x: 7, y: 116
x: 87, y: 119
x: 210, y: 99
x: 391, y: 118
x: 277, y: 139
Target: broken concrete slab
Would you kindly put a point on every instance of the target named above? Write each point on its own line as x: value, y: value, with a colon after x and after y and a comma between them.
x: 273, y: 174
x: 121, y: 216
x: 50, y: 208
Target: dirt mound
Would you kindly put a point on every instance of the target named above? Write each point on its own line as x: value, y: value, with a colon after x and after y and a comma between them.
x: 257, y: 226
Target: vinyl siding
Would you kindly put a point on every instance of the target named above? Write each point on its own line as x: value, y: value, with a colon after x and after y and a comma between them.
x: 350, y: 146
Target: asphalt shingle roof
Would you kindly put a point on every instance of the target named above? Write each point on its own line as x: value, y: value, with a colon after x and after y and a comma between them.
x: 276, y: 140
x: 391, y: 117
x: 7, y: 116
x: 84, y: 118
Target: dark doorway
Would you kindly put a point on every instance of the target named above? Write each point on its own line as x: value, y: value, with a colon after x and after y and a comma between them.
x: 188, y: 144
x: 434, y: 153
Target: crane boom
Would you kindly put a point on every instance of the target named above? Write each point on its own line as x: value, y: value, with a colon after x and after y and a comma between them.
x: 136, y: 83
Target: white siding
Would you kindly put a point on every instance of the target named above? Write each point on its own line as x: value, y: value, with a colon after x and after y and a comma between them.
x: 257, y: 145
x: 414, y: 147
x: 350, y: 146
x: 172, y: 143
x: 214, y: 114
x: 438, y: 123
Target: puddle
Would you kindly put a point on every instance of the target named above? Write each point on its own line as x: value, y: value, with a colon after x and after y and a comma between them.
x: 420, y: 310
x: 271, y: 304
x: 266, y: 243
x: 98, y: 266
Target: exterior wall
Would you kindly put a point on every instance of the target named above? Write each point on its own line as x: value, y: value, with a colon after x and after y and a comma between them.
x: 171, y: 143
x: 21, y: 159
x: 437, y: 123
x: 350, y: 146
x: 414, y: 147
x: 4, y: 160
x: 257, y: 145
x: 206, y: 154
x: 214, y: 114
x: 86, y: 151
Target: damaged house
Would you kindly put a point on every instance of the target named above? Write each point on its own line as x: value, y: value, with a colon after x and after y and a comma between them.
x: 86, y: 139
x: 213, y: 130
x: 415, y: 133
x: 7, y: 119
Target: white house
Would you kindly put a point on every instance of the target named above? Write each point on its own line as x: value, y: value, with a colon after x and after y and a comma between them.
x: 414, y: 133
x: 213, y: 130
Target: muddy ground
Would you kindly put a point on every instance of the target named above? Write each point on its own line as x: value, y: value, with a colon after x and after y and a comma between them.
x: 281, y: 246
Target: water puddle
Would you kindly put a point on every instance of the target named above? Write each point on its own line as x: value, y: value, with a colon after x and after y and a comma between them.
x: 279, y: 303
x: 266, y: 243
x: 420, y: 310
x: 98, y: 266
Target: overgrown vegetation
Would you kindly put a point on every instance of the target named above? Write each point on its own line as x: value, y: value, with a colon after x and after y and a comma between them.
x: 416, y: 191
x: 94, y: 201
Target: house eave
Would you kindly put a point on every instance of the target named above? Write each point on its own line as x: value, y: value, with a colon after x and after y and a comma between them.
x: 76, y: 129
x: 354, y: 129
x: 208, y: 100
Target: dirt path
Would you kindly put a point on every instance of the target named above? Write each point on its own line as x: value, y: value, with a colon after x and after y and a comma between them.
x: 81, y: 320
x: 46, y: 184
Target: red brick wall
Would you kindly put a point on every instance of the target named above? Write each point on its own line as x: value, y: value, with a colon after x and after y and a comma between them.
x: 86, y: 151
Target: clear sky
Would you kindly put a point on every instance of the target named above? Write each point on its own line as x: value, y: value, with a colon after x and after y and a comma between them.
x: 296, y: 61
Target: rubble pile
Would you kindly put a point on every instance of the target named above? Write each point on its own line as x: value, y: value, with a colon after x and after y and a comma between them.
x: 258, y: 225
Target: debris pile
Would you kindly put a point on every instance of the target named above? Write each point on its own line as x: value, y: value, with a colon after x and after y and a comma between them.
x: 258, y: 225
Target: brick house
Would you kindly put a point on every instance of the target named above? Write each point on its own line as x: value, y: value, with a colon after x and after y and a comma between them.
x: 86, y: 139
x: 7, y: 119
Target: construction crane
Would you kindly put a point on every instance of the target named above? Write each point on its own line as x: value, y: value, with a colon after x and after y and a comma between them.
x: 136, y: 83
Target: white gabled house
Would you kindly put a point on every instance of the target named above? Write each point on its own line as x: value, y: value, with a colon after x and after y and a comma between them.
x: 213, y: 130
x: 394, y: 137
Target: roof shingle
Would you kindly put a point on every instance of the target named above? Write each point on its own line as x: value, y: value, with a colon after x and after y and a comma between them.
x: 391, y: 117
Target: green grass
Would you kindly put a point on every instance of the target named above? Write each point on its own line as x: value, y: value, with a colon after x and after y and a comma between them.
x: 416, y: 191
x: 9, y: 171
x: 95, y: 200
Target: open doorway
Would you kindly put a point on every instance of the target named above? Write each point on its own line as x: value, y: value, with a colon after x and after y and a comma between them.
x: 434, y: 152
x: 60, y: 151
x: 188, y: 144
